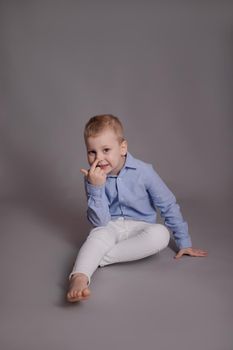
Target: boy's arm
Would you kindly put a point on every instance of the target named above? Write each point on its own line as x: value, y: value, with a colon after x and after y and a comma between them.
x: 98, y: 210
x: 164, y: 199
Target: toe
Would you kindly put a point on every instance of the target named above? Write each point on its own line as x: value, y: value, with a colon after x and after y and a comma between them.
x: 77, y: 295
x: 69, y: 296
x: 86, y: 292
x: 72, y: 294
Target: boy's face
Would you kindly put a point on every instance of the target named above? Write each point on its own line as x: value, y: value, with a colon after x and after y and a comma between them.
x: 109, y: 151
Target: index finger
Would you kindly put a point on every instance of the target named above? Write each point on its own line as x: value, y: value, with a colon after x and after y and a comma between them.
x: 94, y: 164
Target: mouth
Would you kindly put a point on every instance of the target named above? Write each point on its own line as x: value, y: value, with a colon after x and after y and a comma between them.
x: 102, y: 166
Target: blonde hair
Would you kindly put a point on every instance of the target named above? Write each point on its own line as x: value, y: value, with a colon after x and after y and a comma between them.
x: 101, y: 122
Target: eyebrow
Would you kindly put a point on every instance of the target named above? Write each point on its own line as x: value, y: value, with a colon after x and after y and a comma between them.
x: 105, y: 146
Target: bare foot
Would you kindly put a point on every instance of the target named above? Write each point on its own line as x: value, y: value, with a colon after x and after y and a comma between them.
x: 78, y: 289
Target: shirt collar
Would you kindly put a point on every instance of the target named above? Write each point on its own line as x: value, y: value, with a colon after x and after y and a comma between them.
x: 130, y: 162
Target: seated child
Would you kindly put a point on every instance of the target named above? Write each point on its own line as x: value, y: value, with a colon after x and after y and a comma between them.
x: 122, y: 196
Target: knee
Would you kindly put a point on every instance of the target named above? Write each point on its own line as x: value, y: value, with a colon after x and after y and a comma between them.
x: 160, y: 236
x: 165, y: 233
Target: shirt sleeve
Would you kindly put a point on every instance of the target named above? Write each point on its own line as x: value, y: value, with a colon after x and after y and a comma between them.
x: 162, y: 197
x: 98, y: 210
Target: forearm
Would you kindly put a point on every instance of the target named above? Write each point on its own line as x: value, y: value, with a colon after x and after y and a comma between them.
x: 173, y: 219
x: 163, y: 198
x: 98, y: 210
x: 97, y: 213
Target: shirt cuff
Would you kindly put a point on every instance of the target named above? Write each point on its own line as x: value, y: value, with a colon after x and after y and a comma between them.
x: 185, y: 243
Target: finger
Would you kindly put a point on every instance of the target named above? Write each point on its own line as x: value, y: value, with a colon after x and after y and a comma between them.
x: 196, y: 253
x: 201, y: 254
x: 97, y: 170
x: 94, y: 164
x: 84, y: 171
x: 182, y: 252
x: 179, y: 255
x: 199, y: 251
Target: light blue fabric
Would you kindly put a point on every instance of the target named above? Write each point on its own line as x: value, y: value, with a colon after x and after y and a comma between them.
x: 136, y: 193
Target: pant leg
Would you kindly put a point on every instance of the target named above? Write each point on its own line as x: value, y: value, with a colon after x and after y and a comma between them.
x: 143, y: 239
x: 98, y: 243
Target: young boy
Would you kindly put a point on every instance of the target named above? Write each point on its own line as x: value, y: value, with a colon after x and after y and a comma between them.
x: 122, y: 196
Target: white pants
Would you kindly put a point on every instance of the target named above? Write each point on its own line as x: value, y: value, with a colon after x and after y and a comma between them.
x: 119, y: 241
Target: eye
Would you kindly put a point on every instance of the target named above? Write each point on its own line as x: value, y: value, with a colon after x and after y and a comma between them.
x: 91, y: 153
x: 106, y: 150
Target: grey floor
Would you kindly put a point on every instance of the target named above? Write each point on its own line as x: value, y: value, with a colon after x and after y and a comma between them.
x: 165, y: 67
x: 155, y: 303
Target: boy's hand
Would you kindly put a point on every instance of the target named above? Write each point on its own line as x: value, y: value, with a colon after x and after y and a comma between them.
x: 95, y: 175
x: 191, y: 252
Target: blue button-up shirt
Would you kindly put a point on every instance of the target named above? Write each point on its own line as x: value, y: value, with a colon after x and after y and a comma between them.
x: 135, y: 194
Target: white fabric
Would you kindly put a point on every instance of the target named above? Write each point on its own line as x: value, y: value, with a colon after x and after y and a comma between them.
x: 119, y: 241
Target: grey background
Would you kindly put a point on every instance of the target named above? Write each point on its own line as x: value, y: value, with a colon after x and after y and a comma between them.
x: 165, y: 68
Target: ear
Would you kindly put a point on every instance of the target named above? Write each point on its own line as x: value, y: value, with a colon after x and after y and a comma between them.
x: 124, y: 148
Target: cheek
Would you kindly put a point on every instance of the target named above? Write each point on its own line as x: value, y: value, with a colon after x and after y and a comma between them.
x: 90, y: 159
x: 114, y: 158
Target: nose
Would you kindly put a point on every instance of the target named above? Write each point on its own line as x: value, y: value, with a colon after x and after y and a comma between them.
x: 99, y: 156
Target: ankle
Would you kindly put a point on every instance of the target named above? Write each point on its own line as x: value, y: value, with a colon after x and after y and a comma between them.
x: 79, y: 275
